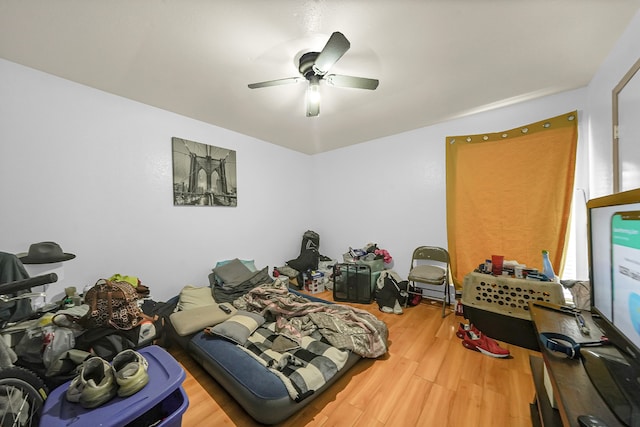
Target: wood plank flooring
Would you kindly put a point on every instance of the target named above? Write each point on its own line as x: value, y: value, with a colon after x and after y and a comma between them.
x: 427, y: 378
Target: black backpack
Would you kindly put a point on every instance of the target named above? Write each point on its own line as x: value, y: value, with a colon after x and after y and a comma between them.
x: 310, y: 240
x: 390, y: 290
x: 307, y: 260
x: 309, y: 255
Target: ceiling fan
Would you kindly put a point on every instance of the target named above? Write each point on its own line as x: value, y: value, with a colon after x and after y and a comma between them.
x: 314, y: 67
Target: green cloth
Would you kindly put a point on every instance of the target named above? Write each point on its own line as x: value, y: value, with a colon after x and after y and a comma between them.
x: 133, y: 280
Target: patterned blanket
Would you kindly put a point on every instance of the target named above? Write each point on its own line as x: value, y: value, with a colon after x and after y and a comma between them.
x: 303, y: 369
x: 306, y: 343
x: 343, y: 326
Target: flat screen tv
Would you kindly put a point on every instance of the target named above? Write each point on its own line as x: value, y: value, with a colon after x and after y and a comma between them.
x: 614, y: 272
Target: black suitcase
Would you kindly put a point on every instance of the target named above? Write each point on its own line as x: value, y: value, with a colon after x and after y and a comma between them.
x: 352, y: 283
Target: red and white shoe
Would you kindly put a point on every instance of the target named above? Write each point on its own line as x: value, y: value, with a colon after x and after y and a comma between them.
x: 483, y: 344
x: 464, y: 327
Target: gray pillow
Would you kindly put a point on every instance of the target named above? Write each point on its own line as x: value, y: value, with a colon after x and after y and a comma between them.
x: 233, y: 272
x: 238, y: 327
x: 249, y: 263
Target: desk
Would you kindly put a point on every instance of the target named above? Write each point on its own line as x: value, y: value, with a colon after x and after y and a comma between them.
x: 574, y: 393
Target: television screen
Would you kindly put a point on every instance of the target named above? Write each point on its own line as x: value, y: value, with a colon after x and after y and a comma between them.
x: 614, y: 271
x: 614, y: 240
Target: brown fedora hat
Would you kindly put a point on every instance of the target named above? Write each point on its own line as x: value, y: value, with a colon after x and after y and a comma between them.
x: 44, y: 253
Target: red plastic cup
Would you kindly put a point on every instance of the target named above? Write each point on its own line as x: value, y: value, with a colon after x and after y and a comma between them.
x: 496, y: 264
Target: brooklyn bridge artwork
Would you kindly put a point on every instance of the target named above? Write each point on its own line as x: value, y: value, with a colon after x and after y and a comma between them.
x: 203, y: 175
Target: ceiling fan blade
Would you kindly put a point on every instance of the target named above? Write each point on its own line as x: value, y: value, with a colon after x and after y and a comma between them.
x: 337, y: 46
x: 277, y: 82
x: 350, y: 81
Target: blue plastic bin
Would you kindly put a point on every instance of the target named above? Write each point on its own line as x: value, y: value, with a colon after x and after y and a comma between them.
x: 163, y: 391
x: 175, y: 405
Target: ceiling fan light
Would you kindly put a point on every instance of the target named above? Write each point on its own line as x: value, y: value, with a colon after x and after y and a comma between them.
x: 313, y: 97
x: 313, y: 92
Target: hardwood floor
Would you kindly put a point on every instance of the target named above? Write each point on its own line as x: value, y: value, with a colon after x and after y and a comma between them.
x: 427, y: 378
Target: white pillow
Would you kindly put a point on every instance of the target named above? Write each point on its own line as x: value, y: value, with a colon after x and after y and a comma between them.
x: 194, y: 297
x: 194, y: 320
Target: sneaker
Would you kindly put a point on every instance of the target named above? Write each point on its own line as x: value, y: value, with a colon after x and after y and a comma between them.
x: 75, y: 390
x: 483, y: 344
x: 95, y: 385
x: 397, y: 309
x: 131, y: 372
x: 464, y: 327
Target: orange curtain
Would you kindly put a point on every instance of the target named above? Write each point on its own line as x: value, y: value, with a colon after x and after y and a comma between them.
x: 509, y: 193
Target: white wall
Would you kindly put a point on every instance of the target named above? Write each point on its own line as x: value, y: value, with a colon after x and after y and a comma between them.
x: 392, y: 190
x: 599, y: 106
x: 92, y: 172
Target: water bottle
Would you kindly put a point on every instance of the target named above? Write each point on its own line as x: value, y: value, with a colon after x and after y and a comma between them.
x: 547, y: 268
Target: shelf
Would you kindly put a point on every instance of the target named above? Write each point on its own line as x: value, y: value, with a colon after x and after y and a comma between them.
x: 547, y: 416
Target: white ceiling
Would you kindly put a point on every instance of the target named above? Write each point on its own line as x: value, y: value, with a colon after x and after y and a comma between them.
x: 435, y: 59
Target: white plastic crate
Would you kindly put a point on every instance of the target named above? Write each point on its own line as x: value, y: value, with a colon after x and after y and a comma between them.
x: 508, y: 295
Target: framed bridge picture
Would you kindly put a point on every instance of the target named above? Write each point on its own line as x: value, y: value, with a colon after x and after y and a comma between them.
x: 203, y: 175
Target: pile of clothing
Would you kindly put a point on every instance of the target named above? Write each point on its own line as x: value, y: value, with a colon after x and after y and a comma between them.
x: 368, y: 252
